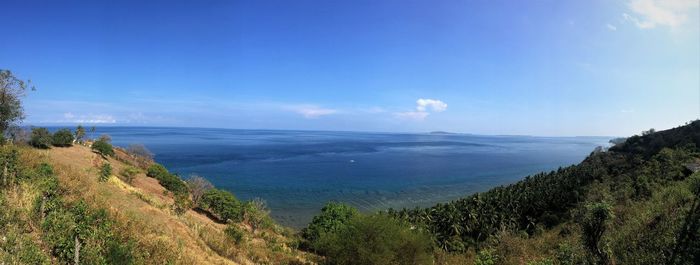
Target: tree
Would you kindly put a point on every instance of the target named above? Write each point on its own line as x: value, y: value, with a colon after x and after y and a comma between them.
x: 198, y: 186
x: 12, y: 90
x: 648, y: 132
x: 594, y: 224
x: 222, y: 203
x: 103, y: 147
x: 41, y: 138
x: 139, y: 151
x: 105, y: 138
x: 63, y: 138
x: 80, y: 134
x: 334, y: 216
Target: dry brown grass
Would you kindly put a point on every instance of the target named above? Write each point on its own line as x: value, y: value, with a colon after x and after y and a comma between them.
x: 143, y: 210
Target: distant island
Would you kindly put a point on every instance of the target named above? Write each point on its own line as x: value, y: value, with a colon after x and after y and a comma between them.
x: 441, y: 132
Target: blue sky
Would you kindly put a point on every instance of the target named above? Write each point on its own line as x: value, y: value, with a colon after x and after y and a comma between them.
x: 487, y: 67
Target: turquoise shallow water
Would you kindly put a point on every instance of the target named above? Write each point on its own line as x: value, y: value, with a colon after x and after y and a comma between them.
x: 296, y: 172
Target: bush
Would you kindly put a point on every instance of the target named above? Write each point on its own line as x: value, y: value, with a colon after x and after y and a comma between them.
x: 63, y: 138
x: 41, y: 138
x: 169, y: 181
x: 156, y: 170
x: 9, y: 165
x: 103, y: 147
x: 376, y: 239
x: 234, y: 233
x: 224, y: 204
x: 129, y: 173
x: 334, y: 216
x: 182, y: 203
x: 593, y: 225
x: 256, y: 214
x: 486, y: 257
x: 105, y: 171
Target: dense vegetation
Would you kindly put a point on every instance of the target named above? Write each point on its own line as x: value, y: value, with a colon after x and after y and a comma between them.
x: 617, y: 188
x: 345, y: 236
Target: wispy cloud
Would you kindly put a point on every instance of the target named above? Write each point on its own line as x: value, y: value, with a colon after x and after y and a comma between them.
x: 651, y: 13
x: 311, y: 111
x: 412, y: 115
x: 69, y: 117
x: 611, y: 27
x: 423, y: 108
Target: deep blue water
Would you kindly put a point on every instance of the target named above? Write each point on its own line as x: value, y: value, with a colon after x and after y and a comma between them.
x: 296, y: 172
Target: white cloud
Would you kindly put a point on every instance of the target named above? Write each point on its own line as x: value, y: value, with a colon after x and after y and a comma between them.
x: 69, y: 117
x: 671, y: 13
x: 432, y: 104
x: 412, y: 115
x: 611, y: 27
x: 312, y: 111
x: 423, y: 108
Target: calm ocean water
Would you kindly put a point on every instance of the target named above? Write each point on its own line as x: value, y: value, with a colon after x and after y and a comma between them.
x: 297, y: 172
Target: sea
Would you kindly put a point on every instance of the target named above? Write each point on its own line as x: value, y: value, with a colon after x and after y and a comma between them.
x: 297, y: 172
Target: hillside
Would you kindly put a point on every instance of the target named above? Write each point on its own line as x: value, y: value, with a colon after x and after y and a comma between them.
x: 126, y: 223
x: 637, y: 202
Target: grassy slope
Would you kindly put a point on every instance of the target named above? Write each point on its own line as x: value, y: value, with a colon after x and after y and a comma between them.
x: 143, y: 211
x: 644, y: 230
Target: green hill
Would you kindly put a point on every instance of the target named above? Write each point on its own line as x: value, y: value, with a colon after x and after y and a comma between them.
x: 636, y: 203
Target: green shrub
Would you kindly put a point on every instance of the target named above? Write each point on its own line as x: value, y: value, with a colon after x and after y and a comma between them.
x: 234, y: 233
x: 169, y: 181
x: 40, y: 138
x: 129, y: 173
x: 62, y: 138
x: 593, y: 226
x: 9, y: 165
x: 376, y: 239
x: 486, y: 257
x: 103, y: 147
x: 224, y: 204
x: 256, y: 214
x: 105, y: 171
x: 156, y: 170
x: 182, y: 203
x: 334, y: 216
